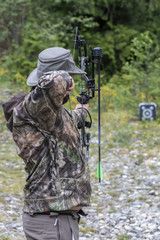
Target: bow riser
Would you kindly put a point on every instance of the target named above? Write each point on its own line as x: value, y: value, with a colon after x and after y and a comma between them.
x: 89, y: 91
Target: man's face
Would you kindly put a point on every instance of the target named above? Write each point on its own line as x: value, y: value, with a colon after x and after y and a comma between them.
x: 69, y: 91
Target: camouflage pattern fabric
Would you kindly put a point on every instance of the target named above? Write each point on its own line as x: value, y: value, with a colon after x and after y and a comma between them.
x: 49, y: 143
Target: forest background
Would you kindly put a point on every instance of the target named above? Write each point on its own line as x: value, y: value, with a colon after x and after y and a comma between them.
x: 127, y: 31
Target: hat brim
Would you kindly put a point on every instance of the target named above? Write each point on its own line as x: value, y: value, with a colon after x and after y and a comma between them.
x: 77, y: 71
x: 32, y: 79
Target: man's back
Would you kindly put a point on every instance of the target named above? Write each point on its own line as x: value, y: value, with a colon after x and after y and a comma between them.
x: 49, y: 143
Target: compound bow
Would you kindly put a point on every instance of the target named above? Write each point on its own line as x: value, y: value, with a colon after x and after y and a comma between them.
x: 88, y: 92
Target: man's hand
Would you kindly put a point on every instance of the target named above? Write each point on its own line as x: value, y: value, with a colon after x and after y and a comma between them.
x: 86, y: 106
x: 70, y: 89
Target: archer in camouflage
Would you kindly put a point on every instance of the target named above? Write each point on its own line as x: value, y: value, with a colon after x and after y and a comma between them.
x: 49, y: 143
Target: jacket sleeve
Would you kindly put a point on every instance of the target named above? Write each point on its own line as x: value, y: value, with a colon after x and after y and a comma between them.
x: 79, y: 115
x: 44, y: 103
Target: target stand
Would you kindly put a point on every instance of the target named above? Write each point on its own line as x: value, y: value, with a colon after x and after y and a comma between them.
x: 147, y: 111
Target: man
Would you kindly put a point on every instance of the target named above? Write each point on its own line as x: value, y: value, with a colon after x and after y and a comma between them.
x: 58, y: 183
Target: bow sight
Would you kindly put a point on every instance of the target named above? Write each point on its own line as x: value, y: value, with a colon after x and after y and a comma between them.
x: 84, y: 63
x: 88, y: 91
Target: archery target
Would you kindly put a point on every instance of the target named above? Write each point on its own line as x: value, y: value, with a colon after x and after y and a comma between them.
x: 147, y: 111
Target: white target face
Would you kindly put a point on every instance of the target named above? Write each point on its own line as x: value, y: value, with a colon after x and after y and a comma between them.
x: 147, y: 113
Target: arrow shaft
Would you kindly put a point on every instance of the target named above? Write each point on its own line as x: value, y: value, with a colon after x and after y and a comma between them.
x: 99, y: 121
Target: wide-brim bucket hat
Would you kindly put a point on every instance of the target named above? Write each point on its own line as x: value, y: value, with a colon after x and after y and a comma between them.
x: 53, y: 59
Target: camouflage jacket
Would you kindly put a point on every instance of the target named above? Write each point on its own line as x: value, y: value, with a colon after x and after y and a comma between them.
x: 49, y: 143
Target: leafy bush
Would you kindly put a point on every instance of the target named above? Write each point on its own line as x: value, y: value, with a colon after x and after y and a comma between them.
x: 139, y: 79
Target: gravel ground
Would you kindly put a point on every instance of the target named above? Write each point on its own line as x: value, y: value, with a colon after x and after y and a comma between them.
x: 128, y: 204
x: 124, y: 206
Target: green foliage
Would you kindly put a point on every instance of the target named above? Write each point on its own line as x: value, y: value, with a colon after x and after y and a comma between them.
x: 123, y: 237
x: 127, y: 31
x: 139, y: 79
x: 13, y: 15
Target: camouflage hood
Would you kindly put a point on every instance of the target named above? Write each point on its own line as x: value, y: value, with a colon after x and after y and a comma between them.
x: 49, y: 143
